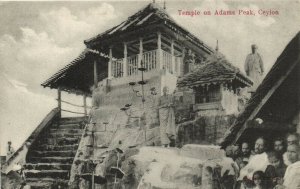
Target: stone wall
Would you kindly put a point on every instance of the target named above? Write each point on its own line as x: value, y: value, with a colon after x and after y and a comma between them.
x: 137, y: 126
x: 205, y: 129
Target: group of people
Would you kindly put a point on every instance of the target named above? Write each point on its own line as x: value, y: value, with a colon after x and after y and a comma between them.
x: 275, y: 166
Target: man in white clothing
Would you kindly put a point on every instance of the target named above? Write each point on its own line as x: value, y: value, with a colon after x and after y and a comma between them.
x: 292, y: 174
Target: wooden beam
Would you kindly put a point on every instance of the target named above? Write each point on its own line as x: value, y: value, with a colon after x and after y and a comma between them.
x: 84, y: 105
x: 173, y: 57
x: 177, y: 46
x: 140, y: 53
x: 59, y: 100
x: 125, y: 61
x: 159, y: 52
x: 95, y: 74
x: 265, y: 99
x: 110, y: 63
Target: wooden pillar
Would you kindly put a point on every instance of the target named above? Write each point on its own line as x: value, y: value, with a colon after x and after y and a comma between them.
x: 59, y: 100
x: 125, y: 61
x: 110, y: 63
x: 181, y: 64
x: 95, y: 75
x: 159, y: 52
x: 221, y: 91
x: 141, y: 54
x: 173, y: 57
x: 84, y: 105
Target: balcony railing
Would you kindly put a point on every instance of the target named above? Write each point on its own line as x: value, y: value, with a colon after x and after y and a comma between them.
x: 150, y: 61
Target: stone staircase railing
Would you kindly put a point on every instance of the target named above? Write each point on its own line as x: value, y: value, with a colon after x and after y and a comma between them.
x: 19, y: 157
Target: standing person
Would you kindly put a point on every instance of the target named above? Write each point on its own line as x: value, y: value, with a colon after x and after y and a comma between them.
x: 166, y: 118
x: 10, y: 150
x: 254, y: 67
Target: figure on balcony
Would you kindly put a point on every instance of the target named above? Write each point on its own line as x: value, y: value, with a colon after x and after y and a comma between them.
x: 97, y: 96
x: 10, y: 150
x: 254, y: 67
x: 189, y: 61
x: 167, y: 118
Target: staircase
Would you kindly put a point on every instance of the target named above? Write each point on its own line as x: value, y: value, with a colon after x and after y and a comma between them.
x: 49, y: 160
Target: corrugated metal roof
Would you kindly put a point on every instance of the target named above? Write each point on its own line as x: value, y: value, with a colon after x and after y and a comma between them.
x: 77, y: 76
x: 215, y: 70
x: 289, y: 58
x: 152, y: 14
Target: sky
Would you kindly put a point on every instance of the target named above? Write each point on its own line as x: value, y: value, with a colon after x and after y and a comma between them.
x: 39, y: 38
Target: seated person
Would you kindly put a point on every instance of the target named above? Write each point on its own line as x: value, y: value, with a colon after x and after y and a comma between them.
x: 292, y: 138
x: 258, y: 179
x: 244, y: 155
x: 275, y: 171
x: 292, y: 174
x: 260, y: 146
x: 257, y: 162
x: 279, y: 146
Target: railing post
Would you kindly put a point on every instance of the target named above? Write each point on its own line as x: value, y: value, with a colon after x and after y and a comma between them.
x: 84, y: 105
x: 181, y: 64
x: 110, y: 63
x: 159, y: 52
x: 59, y: 100
x: 140, y: 53
x: 125, y: 61
x: 172, y: 57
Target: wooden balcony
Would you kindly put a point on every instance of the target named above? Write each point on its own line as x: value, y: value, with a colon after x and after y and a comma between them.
x: 149, y: 60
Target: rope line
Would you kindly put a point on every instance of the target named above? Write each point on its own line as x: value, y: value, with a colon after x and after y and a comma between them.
x: 72, y: 112
x: 74, y: 104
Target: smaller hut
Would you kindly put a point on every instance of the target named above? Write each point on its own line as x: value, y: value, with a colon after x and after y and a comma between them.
x: 215, y: 84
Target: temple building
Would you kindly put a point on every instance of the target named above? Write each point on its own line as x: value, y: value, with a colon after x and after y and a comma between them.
x: 125, y: 70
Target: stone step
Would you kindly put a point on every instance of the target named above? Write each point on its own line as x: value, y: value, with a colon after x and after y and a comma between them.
x: 60, y: 141
x: 59, y: 134
x: 70, y: 126
x: 65, y: 131
x: 63, y: 160
x: 71, y: 120
x: 46, y: 183
x: 60, y: 153
x: 46, y: 147
x: 47, y: 166
x: 59, y: 174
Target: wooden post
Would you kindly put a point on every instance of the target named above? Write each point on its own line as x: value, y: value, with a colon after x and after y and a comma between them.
x: 59, y: 100
x: 141, y: 54
x: 181, y: 64
x: 95, y: 75
x: 172, y: 57
x: 110, y: 63
x: 125, y: 61
x: 159, y: 52
x: 84, y: 105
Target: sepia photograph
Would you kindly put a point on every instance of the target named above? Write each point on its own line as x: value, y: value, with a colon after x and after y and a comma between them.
x: 150, y: 94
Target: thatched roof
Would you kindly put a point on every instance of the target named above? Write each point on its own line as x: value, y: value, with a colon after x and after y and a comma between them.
x: 77, y: 76
x: 150, y: 18
x: 214, y: 70
x: 286, y: 64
